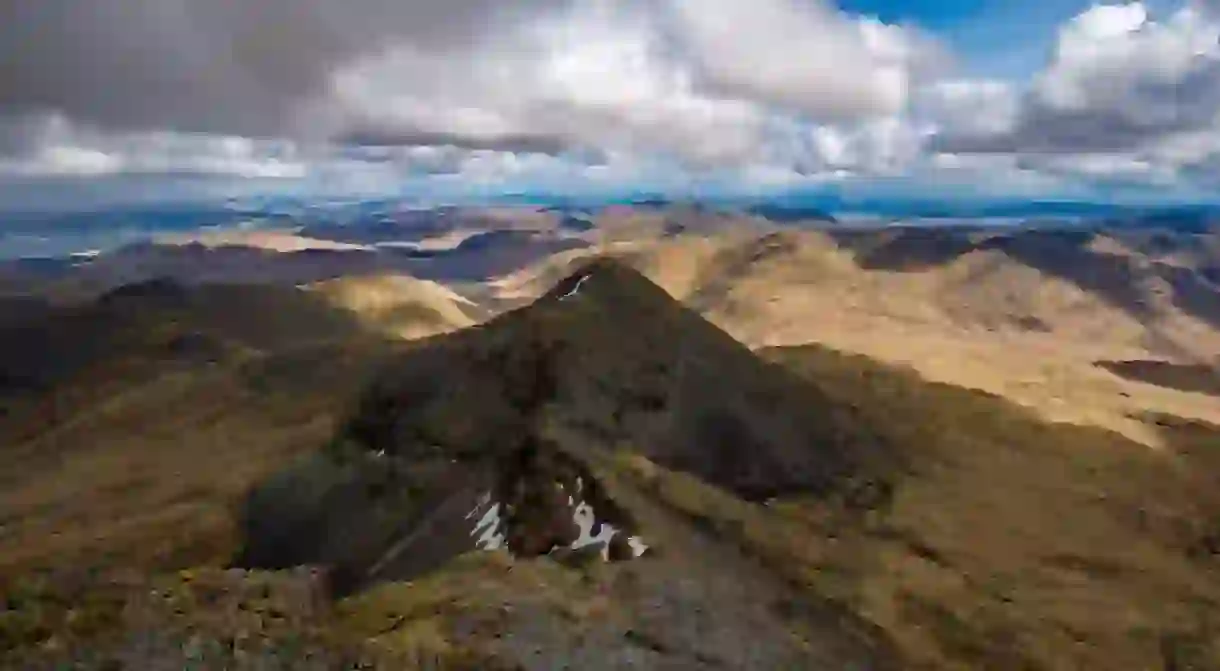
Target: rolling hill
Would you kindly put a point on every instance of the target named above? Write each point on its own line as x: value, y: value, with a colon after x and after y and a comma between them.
x: 400, y: 305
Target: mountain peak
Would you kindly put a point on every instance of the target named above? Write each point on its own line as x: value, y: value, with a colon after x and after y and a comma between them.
x: 611, y: 275
x: 611, y: 352
x: 504, y: 422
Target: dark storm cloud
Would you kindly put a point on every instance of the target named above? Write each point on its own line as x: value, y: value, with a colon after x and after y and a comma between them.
x: 222, y: 66
x: 18, y: 134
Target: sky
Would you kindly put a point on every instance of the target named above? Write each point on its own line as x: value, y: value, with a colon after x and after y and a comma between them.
x: 1005, y: 99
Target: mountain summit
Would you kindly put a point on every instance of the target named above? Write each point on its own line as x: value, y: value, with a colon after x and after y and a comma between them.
x: 613, y: 356
x: 505, y: 437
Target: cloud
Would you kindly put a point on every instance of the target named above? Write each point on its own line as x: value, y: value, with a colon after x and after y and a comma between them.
x: 370, y: 93
x: 590, y: 77
x: 225, y: 66
x: 971, y: 107
x: 614, y: 76
x: 1118, y: 84
x: 54, y: 147
x: 805, y: 56
x: 659, y: 76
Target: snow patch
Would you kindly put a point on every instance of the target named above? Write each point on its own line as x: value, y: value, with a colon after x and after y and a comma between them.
x: 586, y: 519
x: 489, y: 528
x: 490, y: 536
x: 576, y: 289
x: 638, y: 548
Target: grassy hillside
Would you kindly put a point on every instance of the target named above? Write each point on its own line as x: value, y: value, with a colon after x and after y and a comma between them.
x: 130, y: 426
x: 400, y: 305
x: 1023, y: 544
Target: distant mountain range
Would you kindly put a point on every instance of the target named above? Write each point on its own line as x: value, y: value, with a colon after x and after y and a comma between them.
x: 60, y: 232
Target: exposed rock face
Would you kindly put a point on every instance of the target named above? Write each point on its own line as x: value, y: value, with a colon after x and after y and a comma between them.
x: 546, y: 503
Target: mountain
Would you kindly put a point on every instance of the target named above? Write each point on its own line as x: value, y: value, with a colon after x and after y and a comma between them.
x: 504, y: 435
x: 477, y: 256
x: 169, y: 408
x: 601, y: 479
x: 18, y: 308
x: 974, y: 308
x: 155, y: 404
x: 1017, y: 541
x: 401, y: 305
x: 604, y: 478
x: 970, y: 306
x: 814, y: 489
x: 488, y: 254
x: 196, y: 264
x: 163, y: 317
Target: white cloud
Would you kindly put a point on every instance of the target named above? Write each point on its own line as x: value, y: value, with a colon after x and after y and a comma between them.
x: 56, y: 147
x: 1099, y: 165
x: 617, y: 77
x: 61, y: 160
x: 772, y: 92
x: 882, y: 146
x: 1125, y: 95
x: 221, y: 67
x: 592, y: 77
x: 796, y: 86
x: 805, y: 56
x: 1115, y: 58
x: 972, y: 106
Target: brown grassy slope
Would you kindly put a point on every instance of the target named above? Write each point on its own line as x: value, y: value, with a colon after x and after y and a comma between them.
x: 207, y: 619
x: 1022, y: 544
x: 1011, y: 544
x: 678, y: 389
x: 1007, y: 542
x: 132, y: 425
x: 400, y: 305
x: 1014, y: 545
x: 665, y: 607
x: 1001, y: 319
